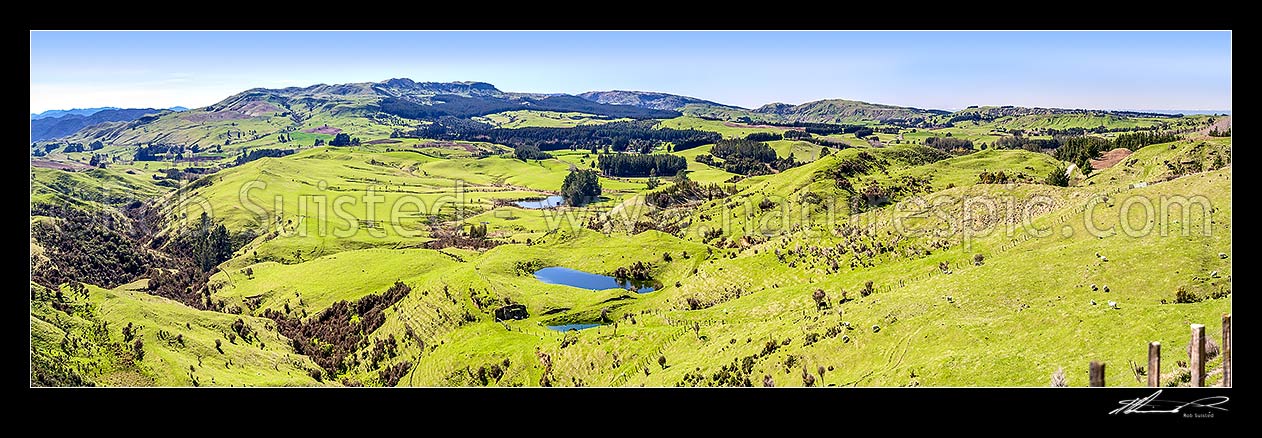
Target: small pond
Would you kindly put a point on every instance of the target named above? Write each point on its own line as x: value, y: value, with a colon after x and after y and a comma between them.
x: 587, y: 280
x: 568, y: 327
x: 548, y: 202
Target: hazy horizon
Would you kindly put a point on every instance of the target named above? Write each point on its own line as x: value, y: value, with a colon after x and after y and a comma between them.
x: 1158, y: 71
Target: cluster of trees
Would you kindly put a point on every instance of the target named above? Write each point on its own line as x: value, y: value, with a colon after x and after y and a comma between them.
x: 685, y: 191
x: 255, y: 154
x: 797, y: 135
x: 206, y: 243
x: 331, y: 336
x: 1138, y: 140
x: 580, y: 187
x: 641, y: 165
x: 949, y: 144
x: 530, y: 152
x: 344, y: 139
x: 965, y: 118
x: 86, y: 248
x: 863, y: 132
x: 449, y: 128
x: 745, y: 157
x: 1059, y: 176
x: 155, y: 152
x: 1021, y: 142
x: 1080, y: 150
x: 765, y: 136
x: 183, y: 282
x: 284, y: 138
x: 1214, y: 132
x: 637, y: 135
x: 741, y: 148
x: 1001, y: 177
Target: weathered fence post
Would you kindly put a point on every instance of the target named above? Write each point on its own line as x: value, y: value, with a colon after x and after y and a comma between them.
x: 1097, y: 374
x: 1154, y: 364
x: 1198, y: 355
x: 1227, y: 350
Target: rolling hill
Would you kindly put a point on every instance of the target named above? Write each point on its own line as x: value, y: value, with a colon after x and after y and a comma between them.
x: 253, y: 252
x: 647, y: 99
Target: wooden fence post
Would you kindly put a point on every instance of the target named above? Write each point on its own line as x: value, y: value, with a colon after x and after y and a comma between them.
x: 1097, y: 374
x: 1154, y: 364
x: 1227, y: 350
x: 1198, y: 355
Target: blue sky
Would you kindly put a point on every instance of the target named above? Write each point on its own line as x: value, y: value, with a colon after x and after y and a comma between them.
x: 946, y: 70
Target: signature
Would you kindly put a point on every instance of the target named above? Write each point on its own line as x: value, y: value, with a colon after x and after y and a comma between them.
x: 1152, y: 405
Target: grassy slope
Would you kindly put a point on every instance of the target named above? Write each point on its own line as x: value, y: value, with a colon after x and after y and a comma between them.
x: 737, y: 131
x: 266, y: 360
x: 982, y: 337
x: 543, y: 119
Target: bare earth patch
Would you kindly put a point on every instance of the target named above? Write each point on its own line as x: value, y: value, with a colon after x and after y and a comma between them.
x: 59, y: 165
x: 1220, y: 124
x: 451, y: 145
x: 257, y: 108
x: 1110, y: 158
x: 744, y: 125
x: 212, y: 116
x: 326, y: 129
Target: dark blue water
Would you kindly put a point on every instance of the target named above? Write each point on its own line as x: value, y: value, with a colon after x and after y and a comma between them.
x: 568, y: 327
x: 587, y: 280
x: 548, y: 202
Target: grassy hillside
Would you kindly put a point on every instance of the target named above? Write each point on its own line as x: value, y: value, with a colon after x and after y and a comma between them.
x: 96, y: 337
x: 885, y: 263
x: 543, y: 119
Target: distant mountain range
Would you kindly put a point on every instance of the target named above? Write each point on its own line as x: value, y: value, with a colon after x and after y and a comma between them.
x: 85, y: 111
x: 647, y: 99
x: 71, y: 121
x: 409, y: 99
x: 75, y: 111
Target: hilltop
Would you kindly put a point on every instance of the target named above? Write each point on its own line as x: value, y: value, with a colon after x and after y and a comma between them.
x: 648, y: 99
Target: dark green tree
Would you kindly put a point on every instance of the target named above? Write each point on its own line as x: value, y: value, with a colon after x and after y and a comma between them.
x: 1058, y: 177
x: 580, y: 187
x: 341, y: 139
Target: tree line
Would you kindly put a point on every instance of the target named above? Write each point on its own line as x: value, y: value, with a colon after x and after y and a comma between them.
x: 255, y: 154
x: 949, y: 144
x: 822, y: 128
x: 530, y: 152
x: 155, y: 152
x: 641, y: 165
x: 636, y: 135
